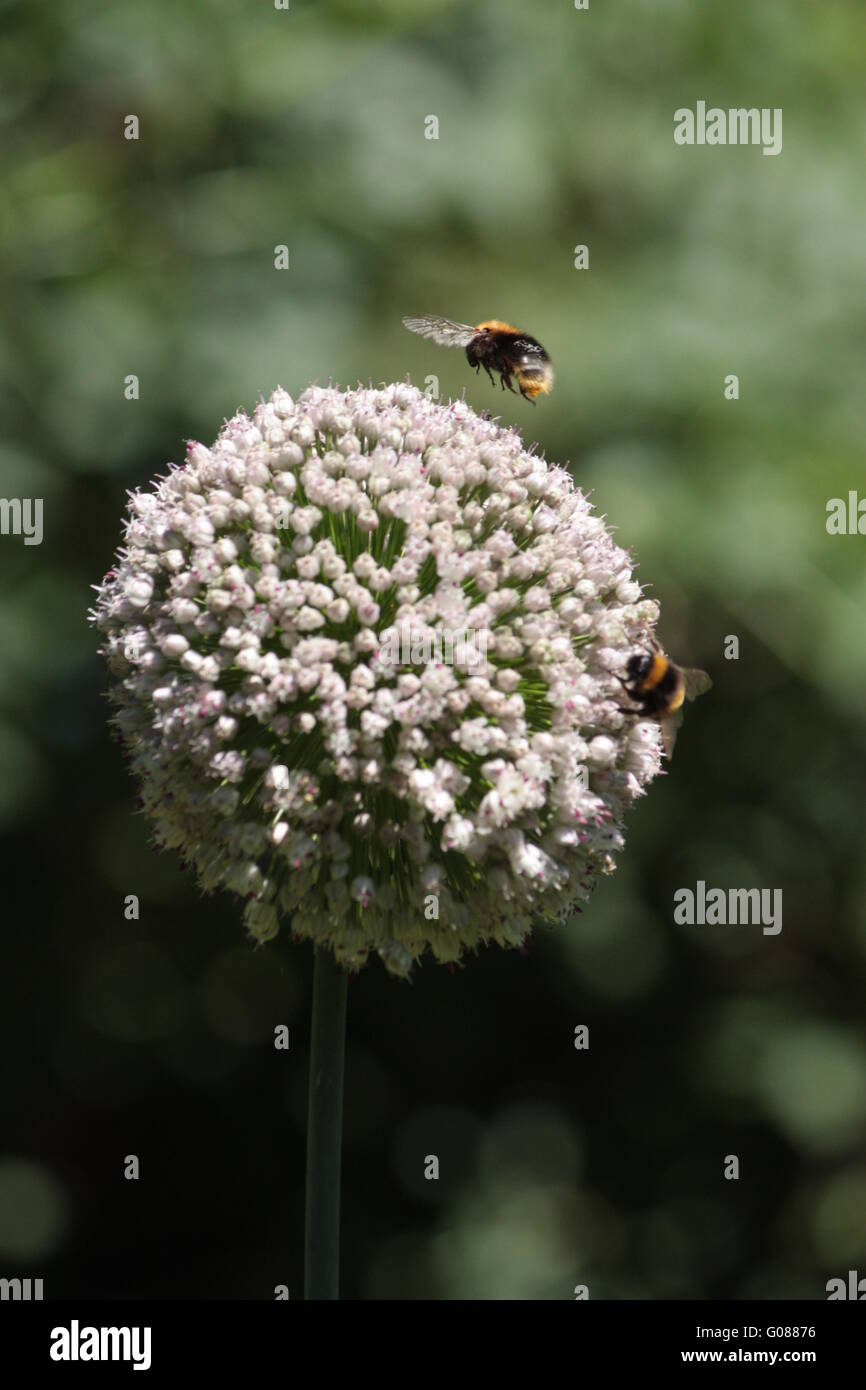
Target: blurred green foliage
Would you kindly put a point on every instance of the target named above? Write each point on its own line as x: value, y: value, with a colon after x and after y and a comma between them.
x: 155, y: 257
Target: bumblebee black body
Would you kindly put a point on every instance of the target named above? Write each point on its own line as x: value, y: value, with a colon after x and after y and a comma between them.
x: 514, y: 355
x: 658, y: 689
x: 654, y: 683
x: 497, y: 347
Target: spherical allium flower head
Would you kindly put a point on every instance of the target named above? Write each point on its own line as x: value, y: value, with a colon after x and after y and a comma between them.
x: 365, y: 653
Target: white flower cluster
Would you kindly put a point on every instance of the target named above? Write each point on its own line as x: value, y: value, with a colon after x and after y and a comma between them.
x: 254, y: 624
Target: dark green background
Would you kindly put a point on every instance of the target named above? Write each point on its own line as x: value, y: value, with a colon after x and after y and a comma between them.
x: 156, y: 258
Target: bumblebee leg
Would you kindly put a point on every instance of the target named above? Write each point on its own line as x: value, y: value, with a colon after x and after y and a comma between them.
x: 506, y: 381
x: 526, y: 397
x: 490, y: 374
x: 634, y: 709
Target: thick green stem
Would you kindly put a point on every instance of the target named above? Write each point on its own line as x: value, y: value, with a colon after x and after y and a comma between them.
x: 325, y: 1129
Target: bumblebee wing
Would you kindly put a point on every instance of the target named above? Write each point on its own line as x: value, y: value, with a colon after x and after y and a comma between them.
x: 443, y: 331
x: 696, y: 683
x: 670, y: 725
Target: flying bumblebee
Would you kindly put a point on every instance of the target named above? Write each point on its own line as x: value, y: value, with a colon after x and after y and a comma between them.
x: 659, y: 688
x: 497, y: 347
